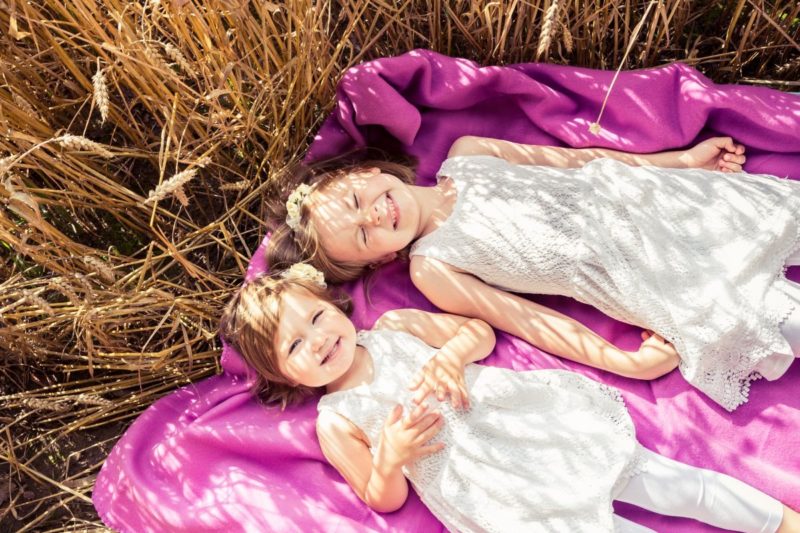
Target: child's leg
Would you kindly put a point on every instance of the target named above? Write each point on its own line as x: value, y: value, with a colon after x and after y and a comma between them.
x: 775, y: 366
x: 672, y: 488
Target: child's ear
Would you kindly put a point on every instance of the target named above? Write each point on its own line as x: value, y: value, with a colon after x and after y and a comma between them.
x: 369, y: 172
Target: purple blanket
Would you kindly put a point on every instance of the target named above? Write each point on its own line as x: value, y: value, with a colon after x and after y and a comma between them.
x: 208, y: 457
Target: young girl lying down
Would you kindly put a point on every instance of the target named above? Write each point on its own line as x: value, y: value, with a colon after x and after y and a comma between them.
x: 487, y: 449
x: 681, y: 243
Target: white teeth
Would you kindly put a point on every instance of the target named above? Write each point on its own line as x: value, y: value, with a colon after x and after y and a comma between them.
x: 330, y: 353
x: 392, y: 210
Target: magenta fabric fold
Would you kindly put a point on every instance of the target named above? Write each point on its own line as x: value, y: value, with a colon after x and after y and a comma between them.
x: 208, y: 457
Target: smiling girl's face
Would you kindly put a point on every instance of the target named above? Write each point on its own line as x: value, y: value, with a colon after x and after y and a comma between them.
x: 365, y: 217
x: 315, y: 342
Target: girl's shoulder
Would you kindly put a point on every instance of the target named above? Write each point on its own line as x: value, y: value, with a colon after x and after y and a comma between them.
x: 458, y: 163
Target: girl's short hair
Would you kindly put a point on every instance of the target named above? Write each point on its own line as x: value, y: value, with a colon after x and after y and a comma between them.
x: 287, y: 246
x: 250, y: 322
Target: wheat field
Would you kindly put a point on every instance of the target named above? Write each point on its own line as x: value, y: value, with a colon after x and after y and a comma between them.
x: 140, y: 140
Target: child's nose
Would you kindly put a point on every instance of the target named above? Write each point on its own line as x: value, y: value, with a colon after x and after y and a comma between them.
x: 375, y: 214
x: 372, y: 216
x: 317, y: 341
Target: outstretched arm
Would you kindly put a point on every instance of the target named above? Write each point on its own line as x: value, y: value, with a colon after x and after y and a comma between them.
x: 545, y: 328
x: 460, y: 340
x: 717, y: 153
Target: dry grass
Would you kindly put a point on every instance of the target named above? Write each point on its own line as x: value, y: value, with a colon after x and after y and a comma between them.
x: 110, y: 294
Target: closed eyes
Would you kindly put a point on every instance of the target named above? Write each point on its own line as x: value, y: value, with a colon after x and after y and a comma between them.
x: 362, y: 229
x: 314, y: 320
x: 294, y: 345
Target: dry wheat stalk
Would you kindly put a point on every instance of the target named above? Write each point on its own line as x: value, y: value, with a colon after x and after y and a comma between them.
x: 170, y: 186
x: 549, y: 28
x: 36, y: 300
x: 568, y: 42
x: 23, y: 104
x: 781, y: 69
x: 5, y: 164
x: 101, y: 268
x: 91, y: 399
x: 82, y: 144
x: 44, y: 405
x: 60, y: 285
x: 235, y: 186
x: 155, y: 57
x: 100, y: 92
x: 87, y: 287
x: 19, y: 197
x: 595, y: 127
x: 19, y: 201
x: 180, y: 194
x: 286, y: 65
x: 177, y: 56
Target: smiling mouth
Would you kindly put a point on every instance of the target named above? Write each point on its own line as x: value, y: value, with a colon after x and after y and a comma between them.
x: 392, y: 210
x: 332, y: 352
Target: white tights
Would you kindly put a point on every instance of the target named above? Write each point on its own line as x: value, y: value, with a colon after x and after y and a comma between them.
x: 677, y: 489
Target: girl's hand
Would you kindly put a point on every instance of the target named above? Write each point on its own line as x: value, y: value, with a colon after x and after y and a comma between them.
x: 716, y: 153
x: 404, y: 438
x: 443, y: 376
x: 656, y: 355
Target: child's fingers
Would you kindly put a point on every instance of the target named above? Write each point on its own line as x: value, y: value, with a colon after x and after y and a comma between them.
x: 422, y: 393
x: 723, y: 143
x: 394, y: 416
x: 455, y: 395
x: 417, y: 413
x: 729, y: 145
x: 425, y: 423
x: 458, y: 394
x: 424, y: 385
x: 734, y: 158
x: 429, y: 431
x: 422, y: 451
x: 463, y: 396
x: 418, y: 380
x: 442, y: 390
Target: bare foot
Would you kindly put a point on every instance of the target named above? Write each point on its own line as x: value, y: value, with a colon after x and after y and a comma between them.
x: 790, y: 522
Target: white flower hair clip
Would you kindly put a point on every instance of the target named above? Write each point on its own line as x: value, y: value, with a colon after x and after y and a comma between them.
x: 293, y: 204
x: 304, y: 271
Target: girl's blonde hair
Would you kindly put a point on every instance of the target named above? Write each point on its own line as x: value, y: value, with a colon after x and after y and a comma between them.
x: 250, y: 323
x: 288, y: 246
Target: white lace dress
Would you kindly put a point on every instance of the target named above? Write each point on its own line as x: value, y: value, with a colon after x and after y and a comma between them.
x: 542, y: 450
x: 695, y: 255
